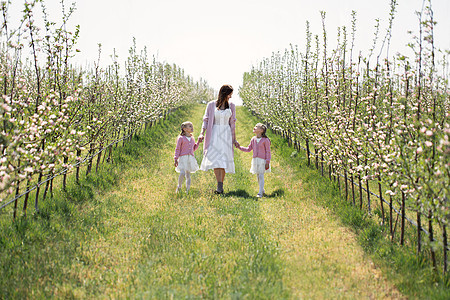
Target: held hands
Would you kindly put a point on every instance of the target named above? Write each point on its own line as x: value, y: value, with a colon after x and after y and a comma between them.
x: 201, y: 138
x: 236, y: 144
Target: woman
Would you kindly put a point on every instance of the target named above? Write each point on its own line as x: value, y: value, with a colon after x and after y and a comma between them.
x: 219, y: 123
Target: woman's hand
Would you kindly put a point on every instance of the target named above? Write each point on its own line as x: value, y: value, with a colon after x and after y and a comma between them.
x: 201, y: 138
x: 176, y: 163
x: 267, y: 165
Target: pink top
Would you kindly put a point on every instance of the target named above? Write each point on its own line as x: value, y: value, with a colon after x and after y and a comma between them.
x: 208, y: 121
x: 261, y: 149
x: 185, y: 146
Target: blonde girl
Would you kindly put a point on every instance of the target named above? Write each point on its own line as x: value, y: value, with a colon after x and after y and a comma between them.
x: 184, y: 160
x: 260, y: 144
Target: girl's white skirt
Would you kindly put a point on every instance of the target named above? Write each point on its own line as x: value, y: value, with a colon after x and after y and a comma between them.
x: 187, y: 163
x: 259, y: 166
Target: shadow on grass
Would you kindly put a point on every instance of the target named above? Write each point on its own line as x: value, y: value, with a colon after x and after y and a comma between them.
x: 244, y: 194
x: 276, y: 193
x: 238, y: 193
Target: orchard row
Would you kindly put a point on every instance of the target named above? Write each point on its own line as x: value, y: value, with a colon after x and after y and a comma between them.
x: 53, y: 113
x: 376, y: 120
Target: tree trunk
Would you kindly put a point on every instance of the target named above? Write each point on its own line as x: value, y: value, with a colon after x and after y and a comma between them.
x: 25, y: 202
x: 66, y: 159
x: 346, y: 185
x: 17, y: 192
x: 402, y: 235
x: 321, y: 162
x: 430, y: 229
x: 99, y: 156
x: 47, y: 185
x: 308, y: 152
x: 444, y: 237
x: 38, y: 188
x: 419, y: 233
x: 91, y: 152
x: 317, y: 158
x: 17, y: 200
x: 380, y: 191
x: 360, y: 191
x: 368, y: 195
x: 353, y: 190
x: 77, y: 173
x: 391, y: 227
x: 339, y: 183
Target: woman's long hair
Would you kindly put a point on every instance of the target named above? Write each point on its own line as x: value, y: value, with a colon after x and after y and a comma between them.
x: 225, y: 90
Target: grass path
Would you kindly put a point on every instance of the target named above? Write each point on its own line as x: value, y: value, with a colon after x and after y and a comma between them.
x: 148, y: 242
x: 321, y: 258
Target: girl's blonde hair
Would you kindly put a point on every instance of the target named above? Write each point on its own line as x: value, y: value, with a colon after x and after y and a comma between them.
x: 263, y: 127
x: 183, y: 125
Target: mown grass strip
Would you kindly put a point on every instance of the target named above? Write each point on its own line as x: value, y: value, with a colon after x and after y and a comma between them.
x: 204, y: 245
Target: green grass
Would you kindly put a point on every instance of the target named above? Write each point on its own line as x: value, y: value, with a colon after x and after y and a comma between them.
x: 125, y: 233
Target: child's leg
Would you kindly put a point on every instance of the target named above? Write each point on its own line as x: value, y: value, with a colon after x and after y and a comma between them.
x: 180, y: 180
x: 261, y: 183
x: 188, y: 181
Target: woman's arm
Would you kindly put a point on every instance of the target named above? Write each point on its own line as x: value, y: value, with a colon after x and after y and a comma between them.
x: 205, y: 122
x: 205, y: 119
x: 233, y: 122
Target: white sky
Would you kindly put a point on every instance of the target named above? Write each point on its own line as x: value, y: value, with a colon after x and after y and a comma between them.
x: 220, y: 40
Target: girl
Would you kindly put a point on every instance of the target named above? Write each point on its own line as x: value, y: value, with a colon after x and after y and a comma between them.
x: 219, y: 123
x: 184, y: 160
x: 260, y: 144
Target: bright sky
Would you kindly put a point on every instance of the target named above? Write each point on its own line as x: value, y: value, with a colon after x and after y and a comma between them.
x: 220, y: 40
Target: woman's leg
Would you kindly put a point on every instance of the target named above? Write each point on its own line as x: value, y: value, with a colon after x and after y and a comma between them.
x: 218, y: 173
x: 219, y: 177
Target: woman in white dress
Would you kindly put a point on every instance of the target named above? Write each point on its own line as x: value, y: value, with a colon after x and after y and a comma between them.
x: 219, y: 124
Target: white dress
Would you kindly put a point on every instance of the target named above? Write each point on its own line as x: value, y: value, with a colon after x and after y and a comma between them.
x: 220, y: 150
